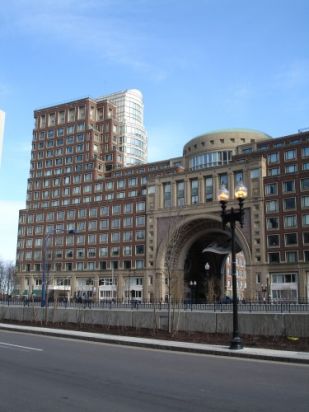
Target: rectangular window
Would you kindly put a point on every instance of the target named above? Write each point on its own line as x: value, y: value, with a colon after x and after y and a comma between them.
x: 291, y: 168
x: 305, y: 201
x: 291, y: 257
x: 167, y: 195
x: 209, y: 188
x: 304, y: 184
x: 194, y: 191
x: 273, y: 240
x: 288, y: 186
x: 272, y: 206
x: 273, y: 157
x: 290, y: 154
x: 271, y: 189
x: 127, y: 221
x: 290, y: 221
x: 273, y: 257
x: 305, y: 151
x: 290, y: 239
x: 139, y: 249
x: 180, y: 193
x: 289, y: 203
x: 306, y: 237
x: 274, y: 171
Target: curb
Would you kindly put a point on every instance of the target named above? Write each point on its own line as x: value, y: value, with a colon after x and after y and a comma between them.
x: 175, y: 346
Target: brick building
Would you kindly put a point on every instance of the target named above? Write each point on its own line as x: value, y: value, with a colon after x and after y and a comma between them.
x: 101, y: 229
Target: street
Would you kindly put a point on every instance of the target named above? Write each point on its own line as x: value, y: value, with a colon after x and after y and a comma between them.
x: 40, y: 373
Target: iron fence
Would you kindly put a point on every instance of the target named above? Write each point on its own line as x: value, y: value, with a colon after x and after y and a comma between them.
x: 244, y: 307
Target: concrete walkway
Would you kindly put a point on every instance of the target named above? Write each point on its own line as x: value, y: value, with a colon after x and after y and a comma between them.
x: 218, y: 350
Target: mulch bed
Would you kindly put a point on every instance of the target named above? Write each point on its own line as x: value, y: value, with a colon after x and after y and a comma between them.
x: 270, y: 342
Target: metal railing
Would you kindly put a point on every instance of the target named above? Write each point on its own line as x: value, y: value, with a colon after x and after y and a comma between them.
x: 247, y: 307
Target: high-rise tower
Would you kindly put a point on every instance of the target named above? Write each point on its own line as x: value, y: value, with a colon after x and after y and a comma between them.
x: 132, y: 136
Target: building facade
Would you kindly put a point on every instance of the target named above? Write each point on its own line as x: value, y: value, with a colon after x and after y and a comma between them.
x: 101, y: 230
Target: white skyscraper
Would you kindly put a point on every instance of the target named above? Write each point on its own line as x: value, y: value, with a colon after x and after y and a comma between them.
x: 131, y: 134
x: 2, y: 118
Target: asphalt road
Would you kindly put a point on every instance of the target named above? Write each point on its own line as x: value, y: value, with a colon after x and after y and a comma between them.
x: 40, y: 373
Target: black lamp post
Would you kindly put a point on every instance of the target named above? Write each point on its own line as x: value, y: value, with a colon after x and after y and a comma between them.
x: 232, y: 217
x: 193, y: 284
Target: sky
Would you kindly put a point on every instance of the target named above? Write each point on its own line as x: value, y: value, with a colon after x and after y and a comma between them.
x: 202, y: 65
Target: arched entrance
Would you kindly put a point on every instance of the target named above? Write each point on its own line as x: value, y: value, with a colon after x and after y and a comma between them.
x: 193, y: 258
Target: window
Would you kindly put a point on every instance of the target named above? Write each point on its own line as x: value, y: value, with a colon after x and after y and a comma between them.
x: 91, y: 252
x: 289, y: 186
x: 92, y: 239
x: 304, y: 184
x: 116, y: 223
x: 209, y: 188
x: 103, y: 251
x: 289, y: 203
x: 115, y: 237
x: 139, y: 249
x: 273, y: 257
x: 128, y: 208
x: 271, y: 189
x: 127, y: 250
x: 140, y: 220
x: 103, y: 237
x: 306, y: 237
x: 104, y: 211
x: 115, y: 251
x: 132, y: 182
x: 305, y: 151
x: 291, y: 257
x: 290, y: 154
x: 194, y: 191
x: 140, y: 235
x: 272, y: 206
x: 180, y: 193
x: 273, y: 240
x: 290, y: 239
x: 274, y: 171
x: 139, y: 264
x: 305, y: 201
x: 127, y: 221
x: 305, y: 220
x: 273, y: 157
x: 290, y: 221
x: 104, y: 224
x: 127, y: 236
x: 167, y: 195
x: 116, y: 209
x: 140, y: 206
x: 291, y: 168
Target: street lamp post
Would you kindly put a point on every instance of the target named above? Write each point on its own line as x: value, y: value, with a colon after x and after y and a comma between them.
x: 193, y: 284
x: 45, y: 264
x: 232, y: 217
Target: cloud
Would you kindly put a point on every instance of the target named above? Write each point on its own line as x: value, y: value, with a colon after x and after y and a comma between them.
x: 9, y: 225
x: 105, y: 30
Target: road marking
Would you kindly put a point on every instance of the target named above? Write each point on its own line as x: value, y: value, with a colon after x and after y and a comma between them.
x: 20, y: 347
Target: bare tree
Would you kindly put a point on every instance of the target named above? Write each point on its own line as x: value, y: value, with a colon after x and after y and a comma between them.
x: 8, y: 279
x: 170, y: 234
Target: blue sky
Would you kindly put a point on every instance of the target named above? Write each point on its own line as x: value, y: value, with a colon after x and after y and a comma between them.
x: 201, y: 65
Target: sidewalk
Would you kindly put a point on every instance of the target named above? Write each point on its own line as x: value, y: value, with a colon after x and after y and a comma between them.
x: 218, y: 350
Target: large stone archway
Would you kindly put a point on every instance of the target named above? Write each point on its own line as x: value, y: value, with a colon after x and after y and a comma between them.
x: 186, y: 244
